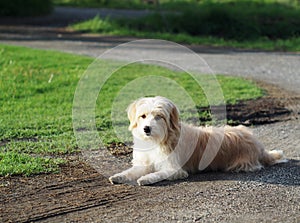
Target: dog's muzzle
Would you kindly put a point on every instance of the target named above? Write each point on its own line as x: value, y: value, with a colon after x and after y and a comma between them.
x: 147, y: 130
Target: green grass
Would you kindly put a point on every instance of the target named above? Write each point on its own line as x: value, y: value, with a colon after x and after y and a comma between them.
x: 37, y: 91
x: 35, y: 114
x: 15, y: 163
x: 267, y: 25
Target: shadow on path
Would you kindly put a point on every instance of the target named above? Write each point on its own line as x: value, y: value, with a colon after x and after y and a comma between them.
x: 281, y: 174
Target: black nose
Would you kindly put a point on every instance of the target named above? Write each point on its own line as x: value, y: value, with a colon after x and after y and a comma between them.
x: 147, y: 130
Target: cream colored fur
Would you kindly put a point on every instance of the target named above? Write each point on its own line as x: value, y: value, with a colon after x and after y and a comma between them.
x: 164, y: 148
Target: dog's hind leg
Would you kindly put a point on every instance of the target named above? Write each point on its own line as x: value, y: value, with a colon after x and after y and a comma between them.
x: 272, y: 157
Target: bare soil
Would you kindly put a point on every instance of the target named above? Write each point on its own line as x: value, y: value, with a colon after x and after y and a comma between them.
x: 80, y: 194
x: 277, y: 105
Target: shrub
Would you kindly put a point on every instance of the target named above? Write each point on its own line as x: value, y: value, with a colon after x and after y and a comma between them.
x: 239, y: 20
x: 25, y: 7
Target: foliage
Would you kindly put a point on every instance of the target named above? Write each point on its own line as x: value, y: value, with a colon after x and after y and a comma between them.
x: 25, y: 7
x: 124, y: 4
x: 241, y: 20
x: 228, y: 19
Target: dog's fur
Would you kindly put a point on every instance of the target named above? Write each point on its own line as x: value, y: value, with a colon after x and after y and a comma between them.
x: 165, y: 148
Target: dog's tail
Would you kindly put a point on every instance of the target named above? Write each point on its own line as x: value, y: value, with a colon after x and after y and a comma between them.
x: 273, y: 157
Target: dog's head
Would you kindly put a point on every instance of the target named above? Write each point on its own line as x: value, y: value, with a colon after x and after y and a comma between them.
x: 155, y: 119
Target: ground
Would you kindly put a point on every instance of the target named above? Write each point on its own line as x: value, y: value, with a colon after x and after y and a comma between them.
x: 81, y: 194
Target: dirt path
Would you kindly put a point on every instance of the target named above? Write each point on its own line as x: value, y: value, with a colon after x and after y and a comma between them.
x: 80, y: 194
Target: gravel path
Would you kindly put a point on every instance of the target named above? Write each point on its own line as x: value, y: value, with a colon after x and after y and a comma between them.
x: 271, y: 195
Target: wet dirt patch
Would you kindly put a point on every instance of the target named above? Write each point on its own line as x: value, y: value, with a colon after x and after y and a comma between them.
x: 277, y: 105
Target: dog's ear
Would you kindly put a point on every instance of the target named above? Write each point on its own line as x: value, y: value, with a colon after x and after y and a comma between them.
x: 173, y: 132
x: 131, y: 113
x: 174, y: 118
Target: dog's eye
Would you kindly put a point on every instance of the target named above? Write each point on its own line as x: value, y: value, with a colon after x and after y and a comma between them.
x: 157, y: 117
x: 143, y: 116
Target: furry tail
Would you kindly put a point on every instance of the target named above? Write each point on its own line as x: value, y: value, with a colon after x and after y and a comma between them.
x: 273, y: 157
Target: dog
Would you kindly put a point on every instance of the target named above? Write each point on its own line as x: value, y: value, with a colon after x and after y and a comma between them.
x: 167, y: 149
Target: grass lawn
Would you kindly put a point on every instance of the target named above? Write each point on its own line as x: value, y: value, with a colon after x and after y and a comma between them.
x: 267, y: 25
x: 37, y: 90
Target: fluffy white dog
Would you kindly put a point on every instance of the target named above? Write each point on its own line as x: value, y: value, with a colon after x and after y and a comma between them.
x: 165, y: 148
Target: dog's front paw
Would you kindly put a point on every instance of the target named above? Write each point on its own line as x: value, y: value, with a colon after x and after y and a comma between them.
x: 181, y: 174
x: 144, y: 181
x: 118, y: 179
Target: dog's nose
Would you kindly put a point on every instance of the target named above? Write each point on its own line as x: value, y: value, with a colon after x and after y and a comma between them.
x: 147, y: 130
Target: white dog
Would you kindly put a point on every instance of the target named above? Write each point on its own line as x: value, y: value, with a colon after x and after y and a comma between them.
x: 164, y: 148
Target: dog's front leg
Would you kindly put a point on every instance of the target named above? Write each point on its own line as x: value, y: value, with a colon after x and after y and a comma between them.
x: 129, y: 175
x: 161, y: 175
